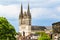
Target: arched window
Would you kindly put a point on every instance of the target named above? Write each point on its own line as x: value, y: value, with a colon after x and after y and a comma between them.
x: 23, y: 33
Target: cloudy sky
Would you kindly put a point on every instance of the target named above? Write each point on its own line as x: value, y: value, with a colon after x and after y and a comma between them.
x: 44, y: 12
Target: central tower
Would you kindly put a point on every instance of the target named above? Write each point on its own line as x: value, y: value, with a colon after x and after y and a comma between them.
x: 25, y: 22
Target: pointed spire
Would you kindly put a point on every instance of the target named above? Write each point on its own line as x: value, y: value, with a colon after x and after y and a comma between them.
x: 28, y: 11
x: 28, y: 8
x: 21, y: 12
x: 21, y: 9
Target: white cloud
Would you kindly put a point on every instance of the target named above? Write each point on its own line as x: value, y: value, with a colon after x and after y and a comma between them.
x: 44, y: 13
x: 55, y: 16
x: 58, y: 8
x: 39, y: 13
x: 12, y: 11
x: 9, y: 11
x: 27, y: 0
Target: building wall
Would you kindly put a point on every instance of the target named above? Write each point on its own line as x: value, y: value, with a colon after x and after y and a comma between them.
x: 56, y: 27
x: 26, y: 29
x: 56, y: 31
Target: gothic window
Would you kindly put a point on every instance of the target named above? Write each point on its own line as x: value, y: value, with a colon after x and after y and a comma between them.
x: 23, y: 33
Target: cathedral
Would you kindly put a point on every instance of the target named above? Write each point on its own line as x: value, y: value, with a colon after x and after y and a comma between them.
x: 25, y: 27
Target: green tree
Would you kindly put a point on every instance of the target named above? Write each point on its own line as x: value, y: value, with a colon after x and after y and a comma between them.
x: 44, y: 36
x: 7, y: 31
x: 40, y: 33
x: 37, y: 33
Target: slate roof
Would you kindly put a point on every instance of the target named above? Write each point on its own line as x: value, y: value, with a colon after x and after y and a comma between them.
x: 56, y: 23
x: 38, y: 27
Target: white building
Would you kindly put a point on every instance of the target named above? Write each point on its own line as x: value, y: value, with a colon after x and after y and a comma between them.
x: 25, y: 27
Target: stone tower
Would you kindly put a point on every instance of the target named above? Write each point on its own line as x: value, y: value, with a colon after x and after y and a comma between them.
x: 25, y: 22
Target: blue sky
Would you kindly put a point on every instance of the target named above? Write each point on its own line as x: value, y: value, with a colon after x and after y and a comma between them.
x: 44, y: 12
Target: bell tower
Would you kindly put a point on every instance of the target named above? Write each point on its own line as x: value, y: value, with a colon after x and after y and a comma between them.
x: 25, y: 22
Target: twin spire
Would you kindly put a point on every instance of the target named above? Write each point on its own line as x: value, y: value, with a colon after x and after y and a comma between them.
x: 21, y: 15
x: 28, y: 12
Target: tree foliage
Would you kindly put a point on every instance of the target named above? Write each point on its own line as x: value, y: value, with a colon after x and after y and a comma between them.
x: 40, y: 33
x: 7, y: 31
x: 43, y: 36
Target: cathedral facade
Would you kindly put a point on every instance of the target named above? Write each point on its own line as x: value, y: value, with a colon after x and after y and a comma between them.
x: 25, y: 27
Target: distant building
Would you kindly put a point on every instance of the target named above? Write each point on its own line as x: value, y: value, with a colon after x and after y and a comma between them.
x: 56, y: 31
x: 25, y: 27
x: 56, y: 27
